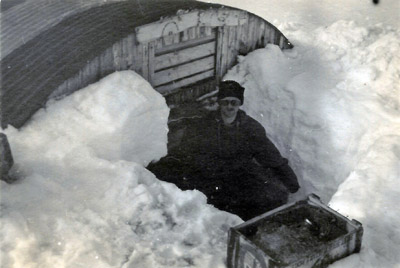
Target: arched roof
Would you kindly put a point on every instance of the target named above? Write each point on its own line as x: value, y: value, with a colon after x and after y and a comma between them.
x: 41, y: 37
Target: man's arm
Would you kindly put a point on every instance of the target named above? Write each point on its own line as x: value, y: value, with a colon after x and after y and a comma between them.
x: 266, y: 153
x: 288, y: 177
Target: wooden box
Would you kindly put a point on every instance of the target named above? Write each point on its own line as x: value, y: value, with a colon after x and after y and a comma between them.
x: 306, y: 233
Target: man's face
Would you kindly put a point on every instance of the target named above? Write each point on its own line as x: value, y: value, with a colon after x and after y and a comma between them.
x: 229, y: 107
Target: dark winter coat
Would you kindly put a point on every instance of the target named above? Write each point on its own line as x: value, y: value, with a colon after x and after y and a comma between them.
x: 237, y: 167
x: 215, y: 149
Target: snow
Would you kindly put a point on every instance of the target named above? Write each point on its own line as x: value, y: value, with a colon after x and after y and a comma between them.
x: 88, y: 201
x: 331, y: 105
x: 321, y: 103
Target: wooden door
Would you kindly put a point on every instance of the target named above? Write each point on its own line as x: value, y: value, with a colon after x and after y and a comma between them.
x: 180, y: 59
x: 187, y: 48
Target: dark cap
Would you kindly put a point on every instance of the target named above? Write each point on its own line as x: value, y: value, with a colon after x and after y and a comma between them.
x: 230, y: 89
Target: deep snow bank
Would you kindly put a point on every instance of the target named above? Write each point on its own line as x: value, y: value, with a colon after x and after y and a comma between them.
x: 84, y: 198
x: 327, y: 100
x: 332, y: 106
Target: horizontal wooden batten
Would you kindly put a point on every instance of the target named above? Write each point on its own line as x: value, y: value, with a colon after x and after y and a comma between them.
x: 184, y: 70
x: 184, y: 45
x: 172, y: 25
x: 184, y: 55
x: 168, y: 88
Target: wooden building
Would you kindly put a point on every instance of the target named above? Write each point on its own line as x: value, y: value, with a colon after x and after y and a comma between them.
x: 182, y: 47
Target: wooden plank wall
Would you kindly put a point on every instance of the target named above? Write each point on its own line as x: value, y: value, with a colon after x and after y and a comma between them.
x: 233, y: 41
x: 183, y: 58
x: 176, y: 61
x: 123, y: 55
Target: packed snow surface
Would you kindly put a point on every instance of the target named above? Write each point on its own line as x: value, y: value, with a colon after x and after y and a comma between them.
x: 84, y: 198
x: 331, y: 105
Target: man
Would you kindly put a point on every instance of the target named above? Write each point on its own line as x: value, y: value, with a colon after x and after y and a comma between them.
x: 228, y: 157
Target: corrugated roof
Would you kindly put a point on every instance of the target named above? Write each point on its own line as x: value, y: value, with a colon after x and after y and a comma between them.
x: 65, y: 44
x: 22, y: 20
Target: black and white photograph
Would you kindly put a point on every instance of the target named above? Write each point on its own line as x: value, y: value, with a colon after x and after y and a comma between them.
x: 206, y: 134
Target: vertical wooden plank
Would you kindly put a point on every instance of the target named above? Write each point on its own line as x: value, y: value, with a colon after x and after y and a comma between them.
x: 228, y: 54
x: 124, y: 53
x: 235, y: 50
x: 177, y: 38
x: 243, y: 40
x: 250, y: 31
x: 272, y: 36
x: 261, y: 31
x: 278, y: 38
x: 145, y: 61
x: 89, y: 71
x: 255, y: 33
x: 102, y: 62
x: 266, y: 34
x: 106, y: 61
x: 184, y: 36
x: 231, y: 57
x: 224, y: 51
x: 75, y: 83
x: 238, y: 36
x: 122, y: 65
x: 67, y: 86
x: 198, y: 32
x: 109, y: 60
x: 159, y: 43
x: 82, y: 77
x: 207, y: 31
x: 84, y: 74
x: 192, y: 33
x: 253, y: 29
x: 131, y: 51
x: 138, y: 58
x: 218, y: 56
x: 202, y: 30
x: 94, y: 69
x: 281, y: 41
x: 117, y: 55
x: 151, y: 51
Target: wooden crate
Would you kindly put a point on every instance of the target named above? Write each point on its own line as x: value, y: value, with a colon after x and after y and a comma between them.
x: 306, y: 233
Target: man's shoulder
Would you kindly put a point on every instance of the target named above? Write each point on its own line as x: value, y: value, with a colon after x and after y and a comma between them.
x: 204, y: 120
x: 246, y: 119
x: 210, y: 116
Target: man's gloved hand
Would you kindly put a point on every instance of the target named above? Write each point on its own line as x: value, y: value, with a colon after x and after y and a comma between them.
x: 288, y: 177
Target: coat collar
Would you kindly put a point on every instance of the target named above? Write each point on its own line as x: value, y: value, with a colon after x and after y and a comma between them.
x: 240, y: 117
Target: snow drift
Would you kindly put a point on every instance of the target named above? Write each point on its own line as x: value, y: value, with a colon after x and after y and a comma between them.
x: 84, y: 199
x: 332, y: 106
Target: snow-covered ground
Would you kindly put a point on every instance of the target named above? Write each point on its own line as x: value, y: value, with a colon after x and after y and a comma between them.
x: 331, y: 105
